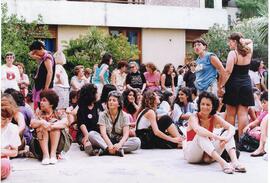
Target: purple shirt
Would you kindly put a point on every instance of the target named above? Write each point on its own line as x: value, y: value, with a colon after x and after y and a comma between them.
x: 154, y: 79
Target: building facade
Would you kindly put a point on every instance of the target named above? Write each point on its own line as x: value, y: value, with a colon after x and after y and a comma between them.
x: 162, y: 29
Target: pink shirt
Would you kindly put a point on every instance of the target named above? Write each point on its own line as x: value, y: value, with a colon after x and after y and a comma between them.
x: 262, y: 115
x: 153, y: 78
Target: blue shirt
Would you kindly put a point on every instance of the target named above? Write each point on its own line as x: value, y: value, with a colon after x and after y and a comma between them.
x: 205, y: 72
x: 96, y: 78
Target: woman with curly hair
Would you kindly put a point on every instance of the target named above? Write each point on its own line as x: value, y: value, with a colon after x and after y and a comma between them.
x: 48, y: 125
x: 153, y: 132
x: 87, y: 116
x: 204, y: 146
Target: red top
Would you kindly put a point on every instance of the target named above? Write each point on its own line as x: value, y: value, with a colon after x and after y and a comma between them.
x: 191, y: 133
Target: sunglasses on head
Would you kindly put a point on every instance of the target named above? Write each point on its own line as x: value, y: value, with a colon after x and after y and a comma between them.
x: 115, y: 94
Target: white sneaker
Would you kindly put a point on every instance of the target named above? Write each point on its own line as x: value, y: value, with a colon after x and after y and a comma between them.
x: 53, y: 161
x: 45, y: 161
x: 265, y: 157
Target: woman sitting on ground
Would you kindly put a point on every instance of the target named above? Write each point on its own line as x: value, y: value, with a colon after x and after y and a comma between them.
x: 18, y: 118
x: 156, y: 130
x: 10, y: 139
x: 183, y: 106
x: 113, y: 138
x: 87, y: 116
x: 131, y: 107
x: 48, y: 125
x: 258, y: 128
x: 205, y: 146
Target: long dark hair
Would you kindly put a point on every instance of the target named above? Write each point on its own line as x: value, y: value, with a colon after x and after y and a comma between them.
x: 105, y: 59
x: 186, y: 91
x: 128, y: 105
x: 242, y: 49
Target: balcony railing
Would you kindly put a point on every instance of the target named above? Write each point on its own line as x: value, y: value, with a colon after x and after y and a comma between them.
x: 115, y: 1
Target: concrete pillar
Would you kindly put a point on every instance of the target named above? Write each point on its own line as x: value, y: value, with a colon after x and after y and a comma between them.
x: 218, y: 4
x: 202, y: 3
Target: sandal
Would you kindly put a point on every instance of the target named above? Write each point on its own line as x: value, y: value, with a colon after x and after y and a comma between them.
x: 239, y: 168
x: 228, y: 169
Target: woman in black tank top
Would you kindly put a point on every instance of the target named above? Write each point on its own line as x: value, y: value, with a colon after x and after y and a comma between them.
x: 238, y: 90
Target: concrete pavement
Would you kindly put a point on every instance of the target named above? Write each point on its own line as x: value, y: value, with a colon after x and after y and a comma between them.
x: 157, y: 166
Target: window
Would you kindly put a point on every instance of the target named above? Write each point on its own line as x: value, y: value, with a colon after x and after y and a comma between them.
x: 133, y: 35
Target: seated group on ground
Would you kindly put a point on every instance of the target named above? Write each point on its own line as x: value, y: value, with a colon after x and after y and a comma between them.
x: 135, y: 110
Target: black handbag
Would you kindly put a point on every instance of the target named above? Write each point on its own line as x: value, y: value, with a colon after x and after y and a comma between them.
x: 248, y: 143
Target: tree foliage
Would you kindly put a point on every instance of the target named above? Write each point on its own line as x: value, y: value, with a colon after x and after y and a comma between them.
x: 217, y: 38
x: 88, y: 49
x: 17, y: 35
x: 251, y: 8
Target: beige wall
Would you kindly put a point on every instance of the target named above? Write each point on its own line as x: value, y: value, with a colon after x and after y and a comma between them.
x: 162, y: 46
x: 66, y: 33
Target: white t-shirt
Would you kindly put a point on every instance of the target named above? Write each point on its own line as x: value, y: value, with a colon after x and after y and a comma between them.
x: 10, y: 136
x: 59, y: 69
x: 255, y: 77
x: 77, y: 82
x: 10, y: 76
x: 164, y: 109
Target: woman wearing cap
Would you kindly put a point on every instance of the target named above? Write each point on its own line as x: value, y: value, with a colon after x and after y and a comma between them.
x: 113, y: 138
x: 208, y: 65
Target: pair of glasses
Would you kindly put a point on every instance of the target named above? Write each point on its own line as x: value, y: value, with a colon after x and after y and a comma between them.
x: 194, y: 65
x: 132, y: 66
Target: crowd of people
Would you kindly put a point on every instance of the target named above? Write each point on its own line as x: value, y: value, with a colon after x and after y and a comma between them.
x: 135, y: 106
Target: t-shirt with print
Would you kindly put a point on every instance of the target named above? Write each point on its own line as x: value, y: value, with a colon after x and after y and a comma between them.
x: 10, y: 136
x: 10, y: 77
x: 135, y: 80
x: 105, y: 120
x: 89, y: 118
x: 205, y: 72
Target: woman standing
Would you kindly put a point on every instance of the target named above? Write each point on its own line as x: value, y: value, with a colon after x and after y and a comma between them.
x: 101, y: 73
x: 238, y: 90
x: 205, y: 146
x: 113, y: 138
x: 60, y: 83
x: 208, y: 65
x: 24, y: 79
